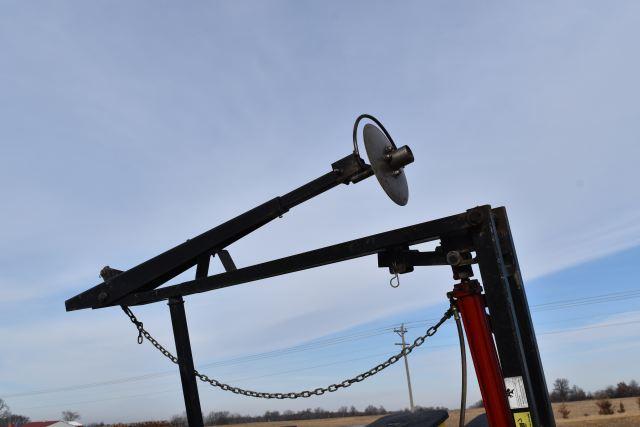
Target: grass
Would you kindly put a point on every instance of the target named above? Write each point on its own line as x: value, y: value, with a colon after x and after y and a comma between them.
x: 578, y: 410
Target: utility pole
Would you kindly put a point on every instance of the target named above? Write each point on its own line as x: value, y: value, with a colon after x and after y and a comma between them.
x: 401, y: 331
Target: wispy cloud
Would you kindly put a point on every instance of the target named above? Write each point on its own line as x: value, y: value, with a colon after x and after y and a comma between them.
x: 126, y: 132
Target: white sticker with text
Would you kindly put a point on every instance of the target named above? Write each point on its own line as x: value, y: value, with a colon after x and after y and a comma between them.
x: 516, y: 393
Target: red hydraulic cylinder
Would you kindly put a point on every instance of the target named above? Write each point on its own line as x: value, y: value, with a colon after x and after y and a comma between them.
x: 471, y: 305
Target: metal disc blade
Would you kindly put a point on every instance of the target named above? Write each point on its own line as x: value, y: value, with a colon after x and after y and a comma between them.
x: 395, y: 185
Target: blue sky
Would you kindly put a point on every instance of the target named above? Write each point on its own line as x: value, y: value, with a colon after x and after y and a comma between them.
x: 117, y: 123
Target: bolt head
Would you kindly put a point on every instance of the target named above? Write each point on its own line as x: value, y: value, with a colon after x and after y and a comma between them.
x: 475, y: 217
x: 102, y: 296
x: 454, y: 258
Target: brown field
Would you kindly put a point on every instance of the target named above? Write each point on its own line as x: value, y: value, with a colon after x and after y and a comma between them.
x: 577, y: 416
x: 584, y: 413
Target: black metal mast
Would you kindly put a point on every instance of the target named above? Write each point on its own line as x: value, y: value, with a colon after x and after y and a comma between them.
x: 481, y: 231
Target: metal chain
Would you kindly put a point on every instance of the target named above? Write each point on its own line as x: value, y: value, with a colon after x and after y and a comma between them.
x: 142, y: 333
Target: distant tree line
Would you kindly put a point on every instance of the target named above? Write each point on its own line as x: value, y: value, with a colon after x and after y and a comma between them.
x: 9, y: 419
x: 563, y: 392
x: 140, y: 424
x: 70, y: 416
x: 220, y: 418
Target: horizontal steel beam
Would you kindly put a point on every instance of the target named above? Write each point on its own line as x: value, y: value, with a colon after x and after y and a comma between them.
x: 369, y: 245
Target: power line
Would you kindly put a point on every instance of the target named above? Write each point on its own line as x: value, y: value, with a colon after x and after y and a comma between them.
x: 571, y: 300
x: 99, y: 400
x: 313, y: 345
x: 577, y: 302
x: 610, y: 297
x: 91, y: 385
x: 322, y: 343
x: 604, y: 325
x: 560, y: 331
x: 306, y: 368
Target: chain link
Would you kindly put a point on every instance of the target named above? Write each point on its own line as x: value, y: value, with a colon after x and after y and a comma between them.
x: 142, y: 333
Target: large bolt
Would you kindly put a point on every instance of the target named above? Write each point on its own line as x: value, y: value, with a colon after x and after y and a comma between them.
x: 454, y: 258
x: 102, y: 296
x: 475, y: 217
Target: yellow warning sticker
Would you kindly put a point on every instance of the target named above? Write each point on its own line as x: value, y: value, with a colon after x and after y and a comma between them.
x: 523, y: 419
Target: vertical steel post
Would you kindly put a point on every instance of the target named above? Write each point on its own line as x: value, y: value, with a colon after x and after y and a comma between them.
x: 471, y: 306
x: 523, y: 315
x: 185, y: 362
x: 504, y: 320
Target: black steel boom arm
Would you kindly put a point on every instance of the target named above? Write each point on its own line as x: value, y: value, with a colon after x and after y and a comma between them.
x: 158, y: 270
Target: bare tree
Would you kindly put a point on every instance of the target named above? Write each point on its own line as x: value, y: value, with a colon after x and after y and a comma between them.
x: 178, y: 421
x: 14, y: 419
x: 4, y: 409
x: 70, y: 416
x: 371, y: 410
x: 478, y: 404
x: 561, y: 390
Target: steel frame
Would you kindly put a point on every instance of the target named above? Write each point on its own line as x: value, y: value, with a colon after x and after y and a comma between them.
x: 480, y: 236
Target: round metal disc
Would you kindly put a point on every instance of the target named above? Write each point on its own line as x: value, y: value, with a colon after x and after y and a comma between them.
x: 376, y: 143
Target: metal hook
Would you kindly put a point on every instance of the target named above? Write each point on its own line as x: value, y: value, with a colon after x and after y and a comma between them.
x: 140, y: 336
x: 396, y: 277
